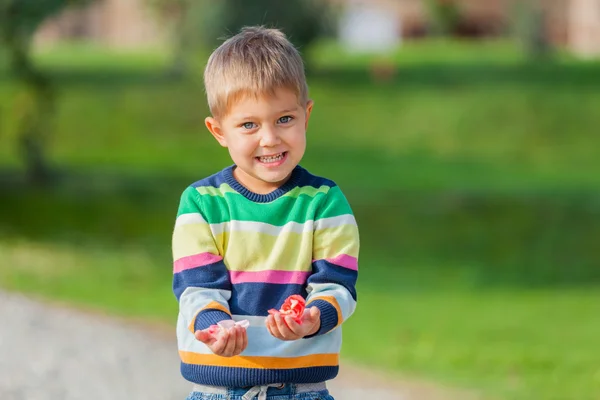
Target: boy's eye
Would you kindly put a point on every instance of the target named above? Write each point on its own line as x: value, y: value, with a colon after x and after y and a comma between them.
x: 285, y: 120
x: 248, y: 125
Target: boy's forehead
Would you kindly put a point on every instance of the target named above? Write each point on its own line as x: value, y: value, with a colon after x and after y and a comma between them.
x: 280, y: 100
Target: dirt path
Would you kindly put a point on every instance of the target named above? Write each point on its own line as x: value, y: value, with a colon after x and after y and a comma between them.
x: 57, y: 353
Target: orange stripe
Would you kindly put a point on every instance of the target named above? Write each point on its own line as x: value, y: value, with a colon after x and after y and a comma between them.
x: 333, y: 301
x: 315, y: 360
x: 213, y: 305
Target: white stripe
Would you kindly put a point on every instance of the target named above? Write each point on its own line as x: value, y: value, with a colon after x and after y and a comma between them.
x: 341, y: 294
x: 332, y: 222
x: 261, y: 227
x: 193, y: 299
x: 254, y: 320
x: 191, y: 218
x: 262, y: 343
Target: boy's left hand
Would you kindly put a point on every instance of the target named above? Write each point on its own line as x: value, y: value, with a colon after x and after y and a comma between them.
x: 285, y: 328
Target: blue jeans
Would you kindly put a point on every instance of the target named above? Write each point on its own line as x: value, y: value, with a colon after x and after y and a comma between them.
x: 287, y: 392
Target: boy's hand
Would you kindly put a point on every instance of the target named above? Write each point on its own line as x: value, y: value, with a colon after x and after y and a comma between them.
x: 285, y: 328
x: 226, y: 344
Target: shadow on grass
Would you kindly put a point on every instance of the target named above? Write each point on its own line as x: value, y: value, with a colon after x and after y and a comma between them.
x: 407, y: 236
x: 420, y: 75
x: 583, y: 76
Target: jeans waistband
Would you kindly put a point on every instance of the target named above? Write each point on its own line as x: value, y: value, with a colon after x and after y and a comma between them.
x: 300, y: 388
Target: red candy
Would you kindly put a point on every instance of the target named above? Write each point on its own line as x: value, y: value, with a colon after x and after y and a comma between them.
x: 293, y: 306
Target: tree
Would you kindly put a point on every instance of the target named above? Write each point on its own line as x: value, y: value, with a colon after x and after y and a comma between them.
x: 204, y: 23
x: 176, y: 16
x: 303, y: 21
x: 19, y: 20
x: 531, y: 30
x: 445, y: 16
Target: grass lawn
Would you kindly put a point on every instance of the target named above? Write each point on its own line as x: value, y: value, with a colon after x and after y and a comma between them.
x: 474, y: 176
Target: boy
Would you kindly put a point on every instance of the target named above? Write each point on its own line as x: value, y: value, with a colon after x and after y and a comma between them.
x: 259, y: 231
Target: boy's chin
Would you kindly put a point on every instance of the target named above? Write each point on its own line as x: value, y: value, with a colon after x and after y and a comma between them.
x: 273, y: 178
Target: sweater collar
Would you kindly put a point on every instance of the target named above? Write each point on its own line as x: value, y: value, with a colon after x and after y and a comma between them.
x: 291, y: 183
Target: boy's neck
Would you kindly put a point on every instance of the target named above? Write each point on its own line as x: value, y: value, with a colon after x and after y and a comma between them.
x: 256, y: 185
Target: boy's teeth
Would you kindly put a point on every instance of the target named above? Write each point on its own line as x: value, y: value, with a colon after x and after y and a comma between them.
x: 271, y: 158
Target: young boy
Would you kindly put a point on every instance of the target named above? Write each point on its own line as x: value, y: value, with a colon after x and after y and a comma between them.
x: 259, y: 231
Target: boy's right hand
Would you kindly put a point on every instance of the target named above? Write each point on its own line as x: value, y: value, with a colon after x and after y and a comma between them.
x: 226, y: 344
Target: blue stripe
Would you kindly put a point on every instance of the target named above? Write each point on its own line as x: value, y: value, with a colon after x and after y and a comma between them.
x: 246, y: 377
x: 211, y: 276
x: 326, y: 272
x: 214, y: 180
x: 209, y: 317
x: 258, y: 298
x: 305, y: 178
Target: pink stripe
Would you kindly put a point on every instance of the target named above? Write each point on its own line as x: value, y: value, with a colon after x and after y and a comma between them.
x: 344, y: 260
x: 282, y: 277
x: 197, y: 260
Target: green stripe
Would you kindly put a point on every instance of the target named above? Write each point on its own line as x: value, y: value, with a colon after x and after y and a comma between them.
x: 278, y: 212
x: 336, y: 204
x: 189, y: 202
x: 301, y: 204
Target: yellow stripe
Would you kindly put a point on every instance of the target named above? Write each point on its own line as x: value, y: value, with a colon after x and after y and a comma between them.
x: 333, y: 301
x: 315, y: 360
x: 332, y: 242
x: 213, y: 305
x: 191, y: 239
x: 250, y: 251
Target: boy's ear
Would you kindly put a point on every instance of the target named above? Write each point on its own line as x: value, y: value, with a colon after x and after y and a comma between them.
x: 309, y: 107
x: 215, y: 129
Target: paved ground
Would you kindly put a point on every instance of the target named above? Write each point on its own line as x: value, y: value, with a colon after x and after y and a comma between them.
x: 56, y: 353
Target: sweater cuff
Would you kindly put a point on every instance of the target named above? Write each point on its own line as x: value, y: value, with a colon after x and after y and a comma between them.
x: 206, y: 318
x: 329, y: 317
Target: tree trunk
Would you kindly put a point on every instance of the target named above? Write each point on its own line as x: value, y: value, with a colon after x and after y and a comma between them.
x: 35, y: 112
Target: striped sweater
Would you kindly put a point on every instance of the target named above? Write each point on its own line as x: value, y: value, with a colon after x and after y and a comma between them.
x: 238, y: 254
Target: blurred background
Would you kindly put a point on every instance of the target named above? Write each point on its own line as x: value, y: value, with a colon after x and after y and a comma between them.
x: 465, y: 134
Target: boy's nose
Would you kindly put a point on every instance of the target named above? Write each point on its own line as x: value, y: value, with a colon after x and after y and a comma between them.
x: 269, y: 137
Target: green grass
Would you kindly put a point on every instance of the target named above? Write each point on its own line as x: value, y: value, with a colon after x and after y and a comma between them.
x: 474, y: 175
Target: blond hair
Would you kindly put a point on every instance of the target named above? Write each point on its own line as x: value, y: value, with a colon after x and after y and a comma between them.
x: 255, y: 62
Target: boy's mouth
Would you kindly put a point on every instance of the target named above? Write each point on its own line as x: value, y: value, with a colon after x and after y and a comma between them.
x: 272, y: 159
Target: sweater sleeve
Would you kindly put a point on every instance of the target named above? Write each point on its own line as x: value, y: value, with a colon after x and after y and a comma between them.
x: 201, y: 282
x: 332, y: 284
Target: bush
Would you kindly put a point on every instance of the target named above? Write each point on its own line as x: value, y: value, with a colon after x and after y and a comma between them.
x: 303, y: 21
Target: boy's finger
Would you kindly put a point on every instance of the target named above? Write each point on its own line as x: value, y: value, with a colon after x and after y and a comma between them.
x: 293, y: 326
x: 239, y: 343
x: 273, y: 328
x: 285, y: 331
x: 314, y: 314
x: 244, y: 340
x: 311, y: 314
x: 231, y: 341
x: 219, y: 345
x: 204, y: 337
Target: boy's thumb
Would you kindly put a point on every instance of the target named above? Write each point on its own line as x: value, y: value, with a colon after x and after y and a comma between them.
x: 203, y: 336
x: 315, y: 313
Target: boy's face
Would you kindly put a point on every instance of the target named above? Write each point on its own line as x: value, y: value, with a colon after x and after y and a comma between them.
x: 265, y: 136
